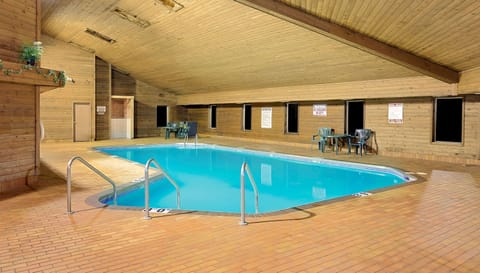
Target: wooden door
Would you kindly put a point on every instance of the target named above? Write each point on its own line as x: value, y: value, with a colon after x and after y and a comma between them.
x: 82, y: 122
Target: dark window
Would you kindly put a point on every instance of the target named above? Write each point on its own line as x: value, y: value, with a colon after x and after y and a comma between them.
x: 354, y: 113
x: 247, y: 117
x: 448, y: 119
x: 213, y: 116
x: 292, y: 118
x: 162, y: 116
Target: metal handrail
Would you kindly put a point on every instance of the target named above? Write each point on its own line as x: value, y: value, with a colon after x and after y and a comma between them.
x: 95, y: 170
x: 185, y: 140
x: 147, y: 190
x: 242, y: 191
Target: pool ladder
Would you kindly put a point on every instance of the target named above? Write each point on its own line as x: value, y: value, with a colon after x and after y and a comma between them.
x: 147, y: 190
x: 246, y: 169
x: 95, y: 170
x: 185, y: 140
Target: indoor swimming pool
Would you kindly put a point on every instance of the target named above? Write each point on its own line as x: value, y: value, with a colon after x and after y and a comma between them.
x: 209, y: 178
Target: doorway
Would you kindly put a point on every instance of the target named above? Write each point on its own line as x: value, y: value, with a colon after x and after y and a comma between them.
x: 122, y: 120
x: 354, y: 113
x: 82, y: 122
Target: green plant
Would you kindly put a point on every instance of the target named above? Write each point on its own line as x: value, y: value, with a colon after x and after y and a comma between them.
x: 31, y: 53
x: 57, y: 77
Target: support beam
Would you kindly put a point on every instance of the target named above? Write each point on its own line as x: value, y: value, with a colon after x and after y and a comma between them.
x: 354, y: 39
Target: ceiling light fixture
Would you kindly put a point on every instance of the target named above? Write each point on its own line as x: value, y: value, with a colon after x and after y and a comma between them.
x: 131, y: 18
x: 100, y: 36
x: 172, y: 5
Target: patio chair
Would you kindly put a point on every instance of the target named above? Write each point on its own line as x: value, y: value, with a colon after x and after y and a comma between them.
x: 171, y: 127
x: 360, y: 140
x: 322, y: 139
x: 182, y: 131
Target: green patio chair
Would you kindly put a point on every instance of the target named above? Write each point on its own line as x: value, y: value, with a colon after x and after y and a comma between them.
x: 182, y: 131
x: 360, y: 140
x: 322, y: 137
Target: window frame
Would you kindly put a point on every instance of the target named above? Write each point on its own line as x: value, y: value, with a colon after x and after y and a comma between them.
x: 436, y: 124
x: 287, y: 118
x: 244, y: 117
x: 166, y: 115
x: 212, y: 117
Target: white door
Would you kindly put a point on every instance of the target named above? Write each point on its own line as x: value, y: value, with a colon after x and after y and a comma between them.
x: 82, y: 122
x: 130, y: 117
x: 122, y: 119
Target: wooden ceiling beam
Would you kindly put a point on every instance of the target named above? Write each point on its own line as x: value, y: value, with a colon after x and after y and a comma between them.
x: 355, y: 39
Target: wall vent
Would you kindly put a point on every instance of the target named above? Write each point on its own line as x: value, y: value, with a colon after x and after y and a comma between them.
x: 131, y: 18
x: 100, y: 36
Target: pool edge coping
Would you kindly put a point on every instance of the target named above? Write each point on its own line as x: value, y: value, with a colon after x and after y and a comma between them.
x: 94, y: 200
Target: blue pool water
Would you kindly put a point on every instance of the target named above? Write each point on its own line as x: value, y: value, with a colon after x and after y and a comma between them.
x: 209, y: 178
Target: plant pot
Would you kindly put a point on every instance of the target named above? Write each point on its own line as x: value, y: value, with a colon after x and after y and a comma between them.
x: 31, y: 61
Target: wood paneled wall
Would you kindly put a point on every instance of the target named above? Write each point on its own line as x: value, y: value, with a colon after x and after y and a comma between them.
x: 18, y: 26
x: 19, y: 153
x: 412, y: 138
x: 17, y: 133
x: 122, y: 85
x: 229, y: 121
x: 469, y: 82
x: 96, y: 82
x: 390, y: 88
x: 103, y: 92
x: 147, y: 98
x: 56, y: 106
x: 119, y: 108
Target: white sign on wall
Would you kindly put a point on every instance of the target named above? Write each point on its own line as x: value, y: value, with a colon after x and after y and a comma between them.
x: 266, y: 117
x: 101, y: 110
x: 320, y: 110
x: 395, y: 113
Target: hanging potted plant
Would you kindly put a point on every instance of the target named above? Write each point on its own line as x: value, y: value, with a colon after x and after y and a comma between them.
x: 31, y: 53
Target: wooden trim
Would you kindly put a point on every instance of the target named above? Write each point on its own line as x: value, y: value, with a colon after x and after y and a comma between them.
x: 469, y: 82
x: 355, y: 39
x: 37, y: 131
x: 389, y: 88
x: 38, y: 18
x: 30, y: 76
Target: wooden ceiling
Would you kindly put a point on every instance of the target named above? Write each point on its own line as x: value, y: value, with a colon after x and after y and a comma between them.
x: 196, y: 46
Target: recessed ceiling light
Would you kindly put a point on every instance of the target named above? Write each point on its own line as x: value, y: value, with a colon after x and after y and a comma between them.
x: 100, y: 36
x: 131, y: 18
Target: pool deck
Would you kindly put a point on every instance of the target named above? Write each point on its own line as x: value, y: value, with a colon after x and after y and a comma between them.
x: 427, y: 226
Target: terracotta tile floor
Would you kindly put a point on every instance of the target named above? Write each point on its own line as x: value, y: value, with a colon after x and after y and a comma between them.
x: 432, y: 226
